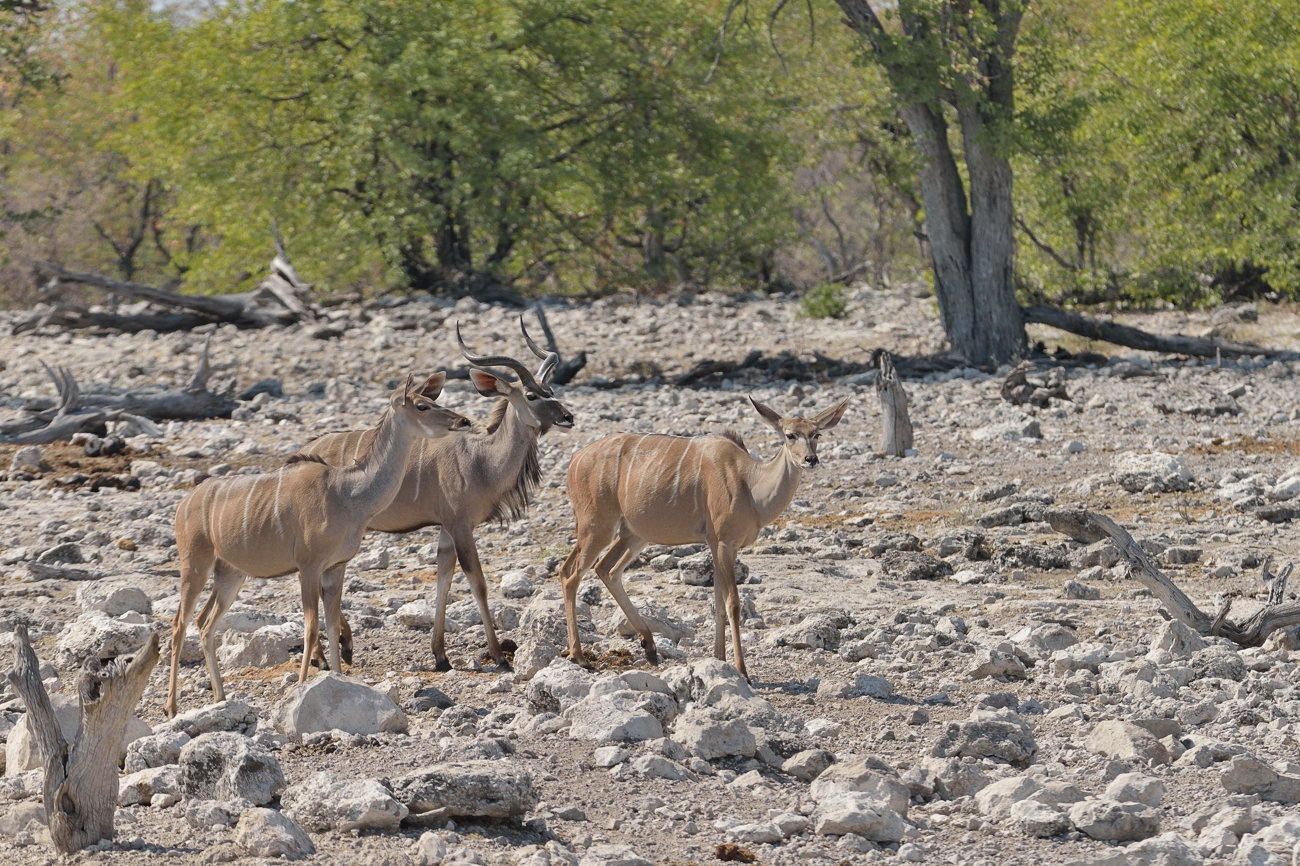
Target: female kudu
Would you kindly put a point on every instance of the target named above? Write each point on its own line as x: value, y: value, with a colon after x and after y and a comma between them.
x: 307, y: 517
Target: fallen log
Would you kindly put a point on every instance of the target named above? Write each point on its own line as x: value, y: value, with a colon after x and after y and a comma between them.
x: 1136, y: 338
x: 1252, y: 631
x: 275, y: 301
x: 90, y: 414
x: 81, y: 781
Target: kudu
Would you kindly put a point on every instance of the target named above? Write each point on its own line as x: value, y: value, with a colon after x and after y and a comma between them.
x: 307, y: 517
x: 463, y: 481
x: 640, y: 489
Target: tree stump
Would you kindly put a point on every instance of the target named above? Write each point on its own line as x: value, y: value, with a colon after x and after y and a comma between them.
x: 896, y: 427
x: 81, y: 783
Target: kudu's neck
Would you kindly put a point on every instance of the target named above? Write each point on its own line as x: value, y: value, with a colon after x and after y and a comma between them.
x: 773, y: 483
x: 373, y: 482
x: 506, y: 447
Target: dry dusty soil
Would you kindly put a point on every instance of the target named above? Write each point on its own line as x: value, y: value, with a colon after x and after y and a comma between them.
x: 935, y: 573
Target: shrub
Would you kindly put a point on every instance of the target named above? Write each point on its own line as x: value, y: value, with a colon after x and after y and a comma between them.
x: 827, y: 301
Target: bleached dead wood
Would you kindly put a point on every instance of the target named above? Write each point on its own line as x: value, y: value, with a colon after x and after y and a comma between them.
x: 276, y: 301
x: 81, y: 784
x: 75, y: 413
x: 895, y: 425
x: 1252, y: 631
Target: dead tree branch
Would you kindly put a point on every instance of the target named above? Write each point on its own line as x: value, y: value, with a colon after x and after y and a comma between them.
x: 1252, y: 631
x: 565, y: 370
x: 81, y: 784
x: 75, y: 413
x: 895, y: 425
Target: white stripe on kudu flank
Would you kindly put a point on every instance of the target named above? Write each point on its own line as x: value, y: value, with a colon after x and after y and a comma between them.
x: 677, y: 474
x: 248, y: 501
x: 632, y: 467
x: 279, y: 482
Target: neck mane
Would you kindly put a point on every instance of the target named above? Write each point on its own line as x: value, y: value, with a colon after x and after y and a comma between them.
x: 510, y: 454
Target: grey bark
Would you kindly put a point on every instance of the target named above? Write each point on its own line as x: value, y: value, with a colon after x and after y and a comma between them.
x: 895, y: 425
x: 81, y: 782
x: 971, y: 240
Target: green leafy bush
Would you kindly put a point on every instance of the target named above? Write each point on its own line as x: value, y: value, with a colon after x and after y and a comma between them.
x: 827, y: 301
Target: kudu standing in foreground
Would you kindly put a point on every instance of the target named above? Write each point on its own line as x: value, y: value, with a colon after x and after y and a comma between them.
x: 308, y: 517
x: 466, y: 480
x: 641, y: 489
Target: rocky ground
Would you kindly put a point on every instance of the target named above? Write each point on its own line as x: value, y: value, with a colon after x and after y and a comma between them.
x: 938, y: 675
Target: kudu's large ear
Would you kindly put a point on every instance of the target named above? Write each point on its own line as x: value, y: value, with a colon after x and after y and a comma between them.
x: 432, y: 386
x: 827, y: 419
x: 487, y: 384
x: 770, y: 415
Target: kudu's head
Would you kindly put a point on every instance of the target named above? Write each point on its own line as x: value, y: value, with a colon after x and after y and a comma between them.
x: 412, y: 404
x: 801, y: 434
x: 531, y: 396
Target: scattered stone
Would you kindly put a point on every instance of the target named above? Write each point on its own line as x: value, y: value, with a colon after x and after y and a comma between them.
x: 558, y: 686
x: 1136, y: 788
x: 227, y: 766
x: 1155, y: 472
x: 267, y: 833
x: 468, y: 789
x: 999, y: 734
x: 331, y: 701
x: 331, y: 801
x: 993, y: 663
x: 96, y: 635
x: 113, y: 598
x: 223, y: 716
x: 1039, y: 819
x: 516, y: 584
x: 1108, y: 821
x: 913, y: 565
x: 612, y: 855
x: 861, y: 814
x: 868, y: 776
x: 1119, y: 739
x: 140, y: 787
x: 1081, y: 591
x: 816, y: 632
x: 808, y: 764
x: 709, y: 738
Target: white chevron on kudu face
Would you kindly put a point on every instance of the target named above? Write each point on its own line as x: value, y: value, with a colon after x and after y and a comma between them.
x: 644, y: 489
x: 307, y: 518
x: 461, y: 481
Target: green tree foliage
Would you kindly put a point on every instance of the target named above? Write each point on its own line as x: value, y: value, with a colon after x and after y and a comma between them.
x: 452, y: 145
x: 1159, y: 149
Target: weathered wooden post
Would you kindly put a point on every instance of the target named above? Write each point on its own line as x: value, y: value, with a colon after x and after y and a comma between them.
x: 81, y: 784
x: 895, y: 426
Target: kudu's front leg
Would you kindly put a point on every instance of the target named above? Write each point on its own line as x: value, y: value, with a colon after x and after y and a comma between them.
x: 727, y: 598
x: 446, y: 569
x: 332, y: 596
x: 309, y: 582
x: 473, y: 568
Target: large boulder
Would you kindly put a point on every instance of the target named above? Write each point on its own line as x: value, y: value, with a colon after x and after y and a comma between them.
x: 999, y: 734
x: 222, y: 716
x: 558, y: 686
x: 1108, y: 821
x: 621, y: 716
x: 227, y: 766
x: 1119, y: 739
x: 269, y: 646
x: 331, y: 701
x: 155, y: 750
x: 710, y: 739
x: 268, y: 833
x: 331, y: 801
x: 861, y: 814
x: 868, y: 776
x: 113, y: 598
x: 140, y: 787
x: 1155, y: 472
x: 97, y: 635
x: 468, y: 789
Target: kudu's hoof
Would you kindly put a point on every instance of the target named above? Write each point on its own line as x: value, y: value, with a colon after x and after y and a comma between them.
x: 651, y: 652
x: 503, y: 667
x: 442, y: 665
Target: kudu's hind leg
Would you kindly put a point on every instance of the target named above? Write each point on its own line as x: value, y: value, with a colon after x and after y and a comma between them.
x: 610, y: 570
x: 473, y: 568
x: 446, y: 568
x: 195, y: 568
x: 592, y: 538
x: 226, y: 583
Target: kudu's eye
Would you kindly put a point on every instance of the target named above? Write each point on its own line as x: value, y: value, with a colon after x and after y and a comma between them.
x: 422, y: 407
x: 531, y: 396
x: 791, y: 436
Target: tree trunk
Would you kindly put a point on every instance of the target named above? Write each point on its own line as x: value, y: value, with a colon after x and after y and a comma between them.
x: 895, y: 425
x: 81, y: 783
